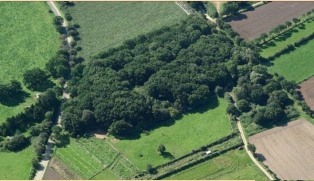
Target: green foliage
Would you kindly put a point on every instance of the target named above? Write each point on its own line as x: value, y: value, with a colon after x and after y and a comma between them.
x: 210, y: 9
x: 34, y: 78
x: 120, y: 128
x: 243, y: 105
x: 57, y: 20
x: 251, y: 147
x: 161, y: 148
x: 10, y: 90
x: 16, y: 143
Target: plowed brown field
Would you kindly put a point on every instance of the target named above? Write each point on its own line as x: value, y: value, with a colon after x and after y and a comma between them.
x: 307, y: 90
x: 251, y: 24
x: 288, y: 150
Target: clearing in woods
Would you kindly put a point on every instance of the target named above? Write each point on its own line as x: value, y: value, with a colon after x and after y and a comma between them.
x: 28, y: 39
x: 105, y: 25
x: 195, y: 129
x: 251, y: 24
x: 234, y: 164
x: 287, y: 150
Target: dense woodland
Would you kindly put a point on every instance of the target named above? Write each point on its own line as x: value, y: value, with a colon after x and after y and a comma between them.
x: 154, y: 77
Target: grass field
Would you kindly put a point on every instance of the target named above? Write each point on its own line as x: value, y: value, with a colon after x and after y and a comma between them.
x: 16, y: 165
x: 233, y: 165
x: 105, y: 175
x: 193, y: 130
x: 296, y: 65
x: 108, y: 24
x: 28, y: 39
x: 273, y: 46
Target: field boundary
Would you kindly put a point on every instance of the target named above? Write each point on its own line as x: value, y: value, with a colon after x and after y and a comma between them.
x: 185, y: 7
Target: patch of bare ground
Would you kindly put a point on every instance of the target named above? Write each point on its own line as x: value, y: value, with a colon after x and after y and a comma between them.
x: 307, y: 90
x: 100, y: 134
x: 115, y: 140
x: 288, y: 150
x: 251, y: 24
x: 58, y: 171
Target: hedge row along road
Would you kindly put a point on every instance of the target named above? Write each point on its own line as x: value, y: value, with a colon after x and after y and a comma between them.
x: 246, y: 148
x: 45, y: 161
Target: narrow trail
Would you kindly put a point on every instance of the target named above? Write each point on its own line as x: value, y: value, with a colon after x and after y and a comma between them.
x: 210, y: 18
x: 246, y: 148
x: 46, y: 158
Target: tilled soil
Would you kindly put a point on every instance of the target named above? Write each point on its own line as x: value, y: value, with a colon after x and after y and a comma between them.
x: 307, y: 90
x: 288, y: 150
x: 251, y: 24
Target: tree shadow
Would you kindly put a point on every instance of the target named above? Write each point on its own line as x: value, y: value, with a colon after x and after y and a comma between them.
x: 238, y: 17
x: 16, y: 100
x: 43, y: 87
x: 167, y: 155
x: 260, y: 157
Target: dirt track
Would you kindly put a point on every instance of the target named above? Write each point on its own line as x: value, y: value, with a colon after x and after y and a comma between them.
x: 288, y: 150
x: 307, y: 90
x: 251, y: 24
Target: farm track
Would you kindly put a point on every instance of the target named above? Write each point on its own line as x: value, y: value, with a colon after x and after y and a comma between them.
x: 251, y: 24
x: 246, y: 148
x: 45, y: 161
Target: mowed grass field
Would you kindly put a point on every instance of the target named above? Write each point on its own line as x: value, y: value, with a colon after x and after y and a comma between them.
x: 233, y: 165
x: 107, y: 24
x: 193, y: 130
x: 16, y: 165
x: 296, y: 65
x: 28, y: 39
x: 275, y: 45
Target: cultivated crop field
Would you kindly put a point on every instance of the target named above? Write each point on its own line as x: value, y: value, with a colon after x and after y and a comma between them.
x: 193, y: 130
x: 288, y: 150
x: 296, y: 65
x: 307, y: 90
x: 291, y: 36
x: 108, y: 24
x: 28, y: 39
x: 86, y: 157
x: 234, y: 164
x: 251, y: 24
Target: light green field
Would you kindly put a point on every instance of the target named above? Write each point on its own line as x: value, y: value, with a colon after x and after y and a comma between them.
x: 192, y: 131
x: 86, y: 157
x: 108, y: 24
x: 273, y: 46
x: 16, y: 165
x: 296, y: 65
x: 28, y: 39
x: 233, y: 165
x: 105, y: 175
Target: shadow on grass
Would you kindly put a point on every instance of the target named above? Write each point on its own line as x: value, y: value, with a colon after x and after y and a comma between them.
x: 168, y: 155
x: 16, y: 100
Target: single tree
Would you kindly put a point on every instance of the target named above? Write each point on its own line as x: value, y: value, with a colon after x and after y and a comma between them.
x: 161, y: 148
x: 34, y: 78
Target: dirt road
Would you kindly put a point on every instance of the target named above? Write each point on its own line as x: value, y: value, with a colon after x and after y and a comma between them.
x: 45, y: 161
x: 246, y: 148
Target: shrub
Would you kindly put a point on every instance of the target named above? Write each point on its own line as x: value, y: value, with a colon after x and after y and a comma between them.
x: 210, y: 9
x: 68, y: 16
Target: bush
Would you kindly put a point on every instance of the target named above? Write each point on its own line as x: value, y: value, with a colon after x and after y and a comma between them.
x: 68, y: 16
x: 150, y: 169
x: 292, y: 112
x: 251, y: 147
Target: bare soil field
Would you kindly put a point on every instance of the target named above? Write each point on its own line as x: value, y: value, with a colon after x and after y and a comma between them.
x: 58, y: 171
x: 307, y: 90
x: 251, y: 24
x: 288, y: 150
